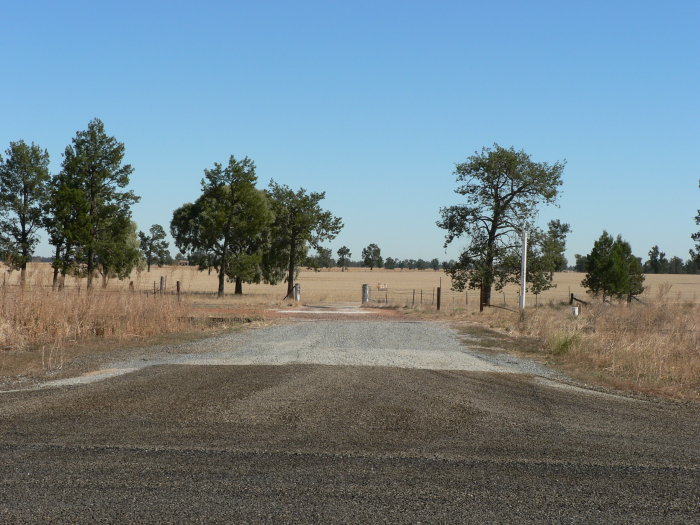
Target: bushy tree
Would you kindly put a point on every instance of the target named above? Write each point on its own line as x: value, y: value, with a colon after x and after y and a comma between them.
x: 154, y: 246
x: 343, y: 257
x: 227, y: 227
x: 503, y: 189
x: 93, y: 175
x: 657, y: 262
x: 299, y: 223
x: 118, y: 256
x: 372, y: 256
x: 580, y: 265
x: 612, y: 270
x: 675, y: 265
x: 390, y: 263
x: 24, y: 178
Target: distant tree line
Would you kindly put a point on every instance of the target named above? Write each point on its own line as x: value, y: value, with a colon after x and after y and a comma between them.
x: 371, y: 258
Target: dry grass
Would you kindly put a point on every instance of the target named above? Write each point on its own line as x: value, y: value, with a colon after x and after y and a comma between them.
x: 328, y: 286
x: 651, y: 347
x: 38, y: 325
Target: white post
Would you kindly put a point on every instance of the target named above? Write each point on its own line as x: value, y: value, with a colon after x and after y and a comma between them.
x: 365, y: 293
x: 523, y: 273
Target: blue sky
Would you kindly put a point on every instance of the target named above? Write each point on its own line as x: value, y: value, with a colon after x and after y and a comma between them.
x: 374, y: 103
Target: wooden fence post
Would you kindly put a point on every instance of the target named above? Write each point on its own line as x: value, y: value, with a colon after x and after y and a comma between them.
x: 177, y: 285
x: 438, y: 298
x: 414, y: 298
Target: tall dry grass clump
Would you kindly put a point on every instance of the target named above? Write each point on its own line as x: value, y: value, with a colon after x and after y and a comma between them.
x: 43, y: 320
x: 653, y: 347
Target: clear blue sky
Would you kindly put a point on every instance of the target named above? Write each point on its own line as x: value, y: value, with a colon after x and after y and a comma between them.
x: 374, y: 103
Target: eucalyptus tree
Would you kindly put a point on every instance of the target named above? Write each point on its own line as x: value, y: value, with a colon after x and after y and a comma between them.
x: 24, y: 178
x: 94, y: 174
x: 503, y: 189
x: 343, y: 257
x: 154, y: 246
x: 299, y: 223
x: 372, y: 256
x: 227, y: 226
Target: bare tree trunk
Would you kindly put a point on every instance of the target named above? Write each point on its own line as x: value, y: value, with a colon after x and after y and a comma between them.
x: 222, y: 277
x: 239, y: 286
x: 290, y: 275
x: 90, y: 268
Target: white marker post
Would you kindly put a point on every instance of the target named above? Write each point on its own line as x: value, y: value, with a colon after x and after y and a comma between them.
x: 523, y: 274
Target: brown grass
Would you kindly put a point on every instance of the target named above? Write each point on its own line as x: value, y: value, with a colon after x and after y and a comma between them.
x: 651, y: 347
x: 37, y: 325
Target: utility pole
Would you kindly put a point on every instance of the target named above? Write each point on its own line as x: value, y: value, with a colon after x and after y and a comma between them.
x: 523, y: 274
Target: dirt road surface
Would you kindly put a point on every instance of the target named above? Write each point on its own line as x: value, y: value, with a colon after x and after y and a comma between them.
x: 342, y: 421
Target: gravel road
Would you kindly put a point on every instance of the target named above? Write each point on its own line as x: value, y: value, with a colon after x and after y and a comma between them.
x: 345, y: 422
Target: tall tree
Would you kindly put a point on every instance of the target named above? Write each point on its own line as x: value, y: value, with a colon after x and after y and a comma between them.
x: 24, y: 177
x: 93, y: 167
x: 154, y: 246
x: 695, y: 253
x: 227, y: 226
x: 503, y: 189
x: 118, y: 253
x: 343, y: 257
x: 299, y: 223
x: 372, y: 256
x: 657, y: 262
x: 612, y: 270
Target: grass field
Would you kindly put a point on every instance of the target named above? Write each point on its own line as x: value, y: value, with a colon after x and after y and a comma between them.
x: 332, y: 286
x: 651, y: 346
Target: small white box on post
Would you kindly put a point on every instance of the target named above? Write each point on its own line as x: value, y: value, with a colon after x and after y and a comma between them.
x: 365, y: 293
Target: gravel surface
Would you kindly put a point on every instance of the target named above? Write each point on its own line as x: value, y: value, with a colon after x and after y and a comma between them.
x: 342, y: 422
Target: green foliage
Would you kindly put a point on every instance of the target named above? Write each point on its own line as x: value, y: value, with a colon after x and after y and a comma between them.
x: 372, y: 256
x: 343, y: 257
x: 561, y: 344
x: 119, y: 253
x: 580, y: 265
x: 657, y: 262
x: 695, y: 253
x: 154, y: 246
x: 91, y: 218
x: 299, y: 223
x: 612, y: 270
x: 24, y: 178
x: 227, y: 226
x: 390, y: 263
x: 503, y: 189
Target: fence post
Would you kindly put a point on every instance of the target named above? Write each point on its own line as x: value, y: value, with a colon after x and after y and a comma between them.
x: 386, y: 297
x: 438, y: 298
x: 414, y: 298
x: 177, y: 285
x: 154, y: 288
x: 297, y: 292
x: 162, y: 284
x: 421, y: 296
x: 365, y: 293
